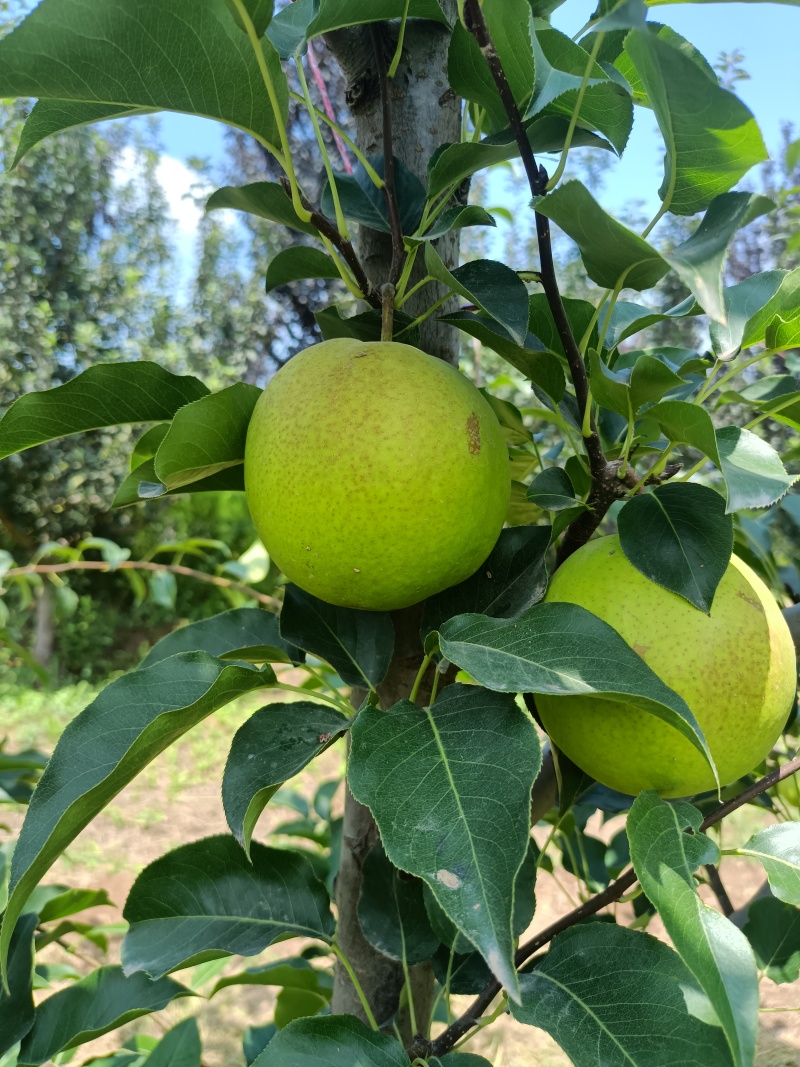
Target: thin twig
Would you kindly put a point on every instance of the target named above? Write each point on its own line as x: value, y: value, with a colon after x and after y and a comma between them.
x: 719, y: 890
x: 142, y: 565
x: 389, y: 188
x: 387, y: 312
x: 612, y: 893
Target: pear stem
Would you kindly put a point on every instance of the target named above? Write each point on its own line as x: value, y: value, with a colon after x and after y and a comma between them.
x: 387, y: 312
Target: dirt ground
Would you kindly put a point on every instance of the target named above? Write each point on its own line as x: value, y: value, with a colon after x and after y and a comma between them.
x: 177, y: 800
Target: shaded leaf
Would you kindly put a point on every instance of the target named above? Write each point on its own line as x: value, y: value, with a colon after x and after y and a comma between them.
x: 680, y: 537
x: 685, y: 423
x: 334, y: 14
x: 85, y: 1010
x: 711, y: 138
x: 256, y: 1038
x: 180, y: 1047
x: 267, y: 200
x: 109, y: 394
x: 275, y: 744
x: 743, y: 304
x: 753, y: 472
x: 651, y: 379
x: 552, y: 490
x: 143, y: 484
x: 628, y: 318
x: 358, y: 644
x: 391, y: 911
x: 777, y: 849
x: 48, y: 117
x: 455, y: 218
x: 207, y: 899
x: 259, y: 13
x: 717, y: 953
x: 563, y: 649
x: 288, y: 29
x: 297, y: 264
x: 219, y: 635
x: 16, y: 1006
x: 610, y: 390
x: 621, y: 998
x: 335, y: 1041
x: 451, y: 803
x: 495, y: 288
x: 609, y: 250
x: 363, y: 202
x: 294, y: 973
x: 773, y: 930
x: 365, y: 326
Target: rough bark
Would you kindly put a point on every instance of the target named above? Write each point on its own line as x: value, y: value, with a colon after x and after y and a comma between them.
x: 425, y: 113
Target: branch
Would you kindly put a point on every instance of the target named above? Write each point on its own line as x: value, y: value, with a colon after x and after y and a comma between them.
x: 719, y: 890
x: 142, y: 565
x: 612, y: 893
x: 389, y: 188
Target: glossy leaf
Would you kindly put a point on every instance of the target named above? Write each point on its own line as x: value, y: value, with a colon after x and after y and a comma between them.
x: 206, y: 437
x: 110, y: 394
x: 96, y: 52
x: 773, y: 930
x: 391, y: 912
x: 621, y: 998
x: 359, y: 644
x: 363, y: 202
x: 753, y: 472
x: 512, y: 579
x: 297, y: 264
x: 699, y: 260
x: 16, y: 1006
x: 743, y: 305
x: 685, y: 423
x: 651, y: 379
x: 609, y: 389
x: 180, y: 1047
x: 334, y: 14
x: 563, y: 649
x: 144, y: 484
x: 267, y: 200
x: 85, y: 1010
x: 288, y: 29
x: 335, y: 1041
x: 711, y: 138
x: 716, y: 952
x: 456, y: 218
x: 680, y: 537
x: 275, y: 744
x: 530, y: 358
x: 208, y: 899
x: 609, y: 250
x: 552, y: 490
x: 495, y: 288
x: 449, y: 787
x: 580, y: 313
x: 777, y: 849
x: 628, y: 318
x: 124, y: 728
x: 561, y: 65
x: 225, y: 634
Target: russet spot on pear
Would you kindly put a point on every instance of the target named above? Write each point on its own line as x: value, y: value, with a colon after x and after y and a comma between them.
x: 735, y: 668
x: 376, y: 474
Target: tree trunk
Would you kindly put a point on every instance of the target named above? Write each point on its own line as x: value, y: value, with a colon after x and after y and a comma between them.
x: 425, y: 113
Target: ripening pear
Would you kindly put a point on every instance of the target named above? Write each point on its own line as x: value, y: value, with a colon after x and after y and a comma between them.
x: 735, y: 668
x: 376, y: 475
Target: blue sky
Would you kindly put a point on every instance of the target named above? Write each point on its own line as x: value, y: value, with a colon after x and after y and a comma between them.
x: 767, y: 34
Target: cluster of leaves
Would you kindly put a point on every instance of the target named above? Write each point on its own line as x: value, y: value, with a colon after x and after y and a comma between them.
x: 452, y: 882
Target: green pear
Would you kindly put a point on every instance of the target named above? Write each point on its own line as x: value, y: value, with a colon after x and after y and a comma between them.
x: 376, y: 475
x: 735, y: 668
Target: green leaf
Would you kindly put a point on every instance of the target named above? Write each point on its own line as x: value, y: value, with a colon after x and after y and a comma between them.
x: 609, y: 389
x: 777, y: 394
x: 680, y: 537
x: 298, y: 264
x: 716, y: 952
x: 495, y: 288
x: 294, y: 973
x: 109, y: 394
x: 206, y: 436
x: 99, y: 52
x: 335, y: 14
x: 289, y: 28
x: 609, y: 250
x: 16, y: 1007
x: 455, y: 218
x: 365, y: 326
x: 259, y: 12
x: 460, y: 1059
x: 651, y: 378
x: 612, y: 51
x: 777, y: 849
x: 85, y: 1010
x: 147, y: 445
x: 688, y: 424
x: 628, y: 319
x: 291, y: 1004
x: 752, y: 470
x: 619, y: 15
x: 49, y: 117
x: 363, y: 202
x: 449, y: 789
x: 512, y: 579
x: 711, y: 138
x: 530, y: 358
x: 621, y: 998
x: 563, y: 649
x: 561, y: 65
x: 143, y: 484
x: 743, y: 304
x: 391, y: 912
x: 581, y: 315
x: 207, y: 899
x: 773, y: 930
x: 358, y: 644
x: 552, y: 490
x: 275, y: 744
x: 180, y: 1047
x: 112, y: 740
x: 267, y: 200
x: 699, y: 260
x: 451, y: 164
x: 225, y: 635
x: 62, y: 902
x: 256, y: 1038
x: 332, y: 1041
